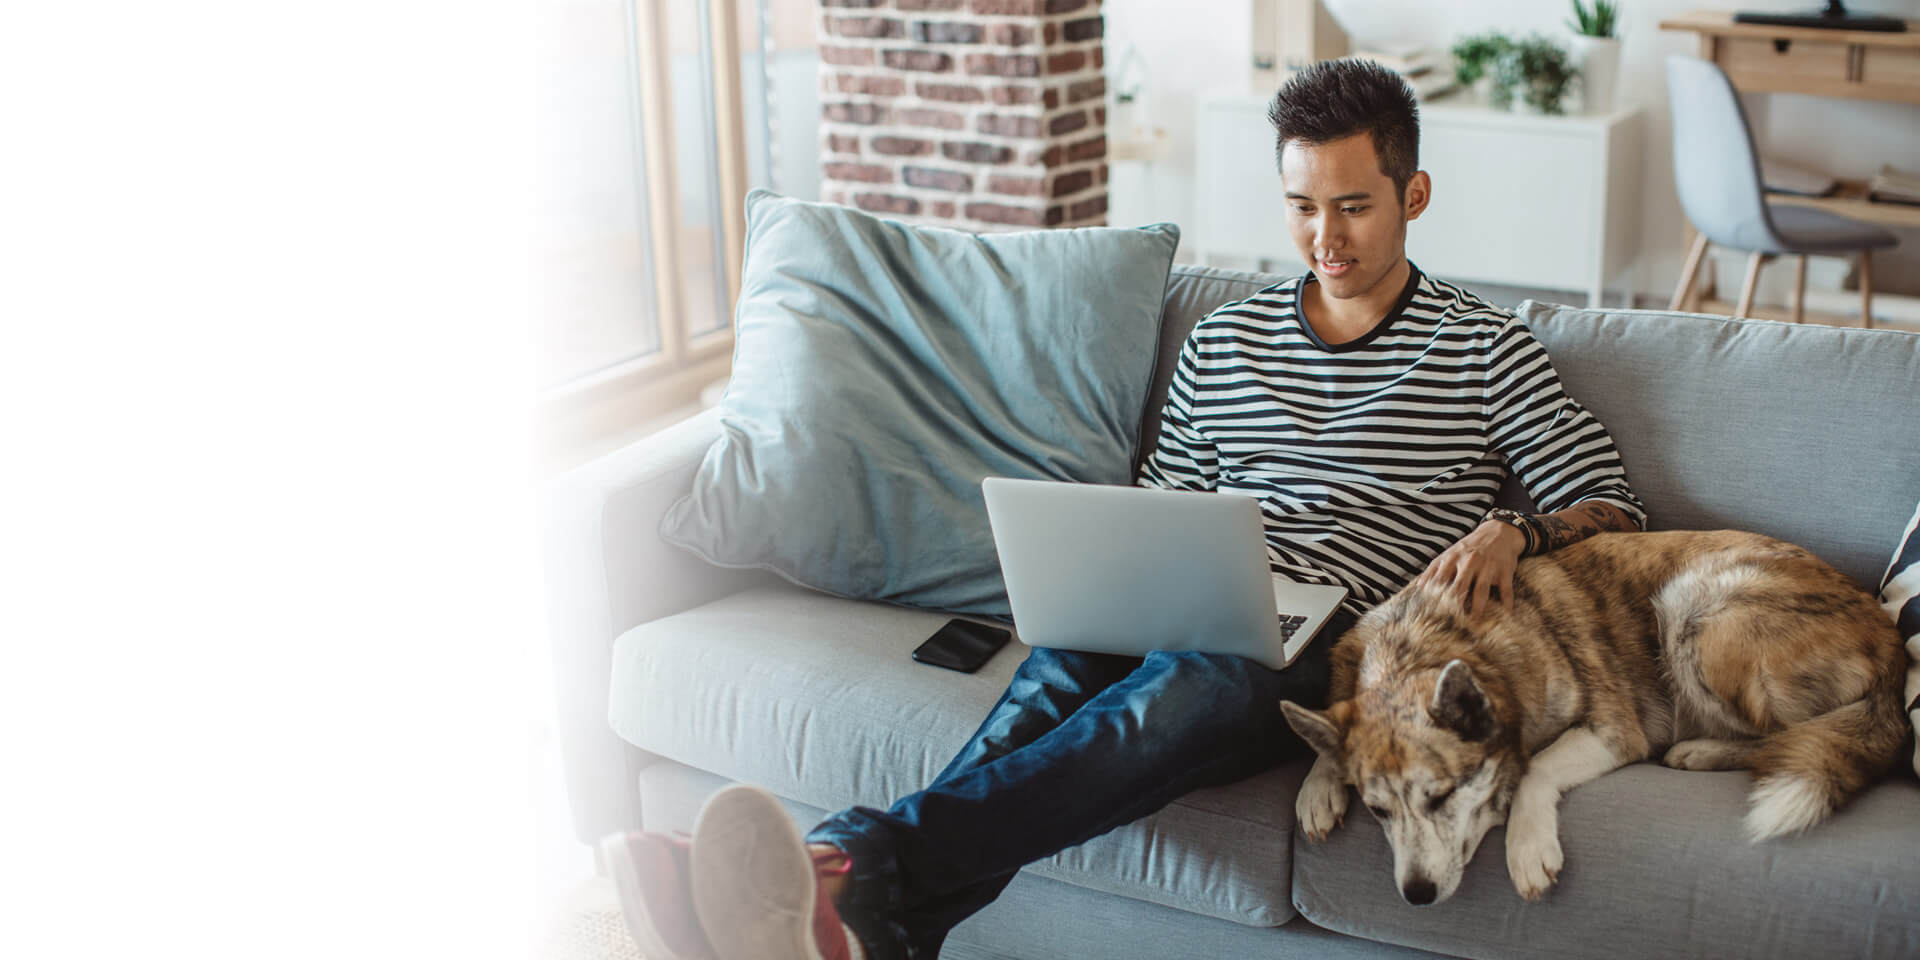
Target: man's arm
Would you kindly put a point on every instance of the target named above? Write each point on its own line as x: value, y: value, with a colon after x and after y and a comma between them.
x: 1565, y: 528
x: 1183, y: 458
x: 1562, y: 456
x: 1480, y: 567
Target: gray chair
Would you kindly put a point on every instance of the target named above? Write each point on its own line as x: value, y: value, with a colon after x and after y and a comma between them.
x: 1718, y: 176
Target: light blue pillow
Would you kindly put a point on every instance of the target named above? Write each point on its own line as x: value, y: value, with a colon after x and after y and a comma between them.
x: 881, y: 370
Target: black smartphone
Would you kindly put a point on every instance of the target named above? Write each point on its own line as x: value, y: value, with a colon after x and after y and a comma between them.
x: 962, y: 645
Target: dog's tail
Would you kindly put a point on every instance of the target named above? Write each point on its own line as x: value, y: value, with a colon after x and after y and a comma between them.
x: 1802, y: 774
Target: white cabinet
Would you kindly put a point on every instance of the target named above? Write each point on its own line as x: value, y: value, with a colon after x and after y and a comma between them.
x: 1518, y: 199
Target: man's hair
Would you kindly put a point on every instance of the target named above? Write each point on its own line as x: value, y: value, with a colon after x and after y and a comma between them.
x: 1335, y: 99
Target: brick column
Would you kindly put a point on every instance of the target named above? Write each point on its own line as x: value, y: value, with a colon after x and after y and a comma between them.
x: 976, y: 114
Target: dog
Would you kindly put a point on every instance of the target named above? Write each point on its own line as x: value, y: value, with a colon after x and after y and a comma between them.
x: 1728, y: 650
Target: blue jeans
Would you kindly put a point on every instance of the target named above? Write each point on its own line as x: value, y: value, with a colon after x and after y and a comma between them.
x: 1079, y: 744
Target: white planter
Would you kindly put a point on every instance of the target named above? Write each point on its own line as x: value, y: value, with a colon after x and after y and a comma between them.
x: 1599, y: 70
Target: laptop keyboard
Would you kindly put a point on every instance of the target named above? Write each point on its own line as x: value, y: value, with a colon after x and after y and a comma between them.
x: 1290, y: 624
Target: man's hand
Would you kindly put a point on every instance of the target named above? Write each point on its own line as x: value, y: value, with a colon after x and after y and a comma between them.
x: 1479, y: 569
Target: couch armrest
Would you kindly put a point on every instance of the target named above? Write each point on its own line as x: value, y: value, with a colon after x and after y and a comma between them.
x: 608, y: 571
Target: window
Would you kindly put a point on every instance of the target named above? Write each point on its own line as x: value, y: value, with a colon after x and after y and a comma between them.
x: 647, y: 150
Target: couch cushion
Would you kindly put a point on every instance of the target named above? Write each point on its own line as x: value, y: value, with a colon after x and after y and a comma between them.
x: 817, y: 699
x: 1656, y: 866
x: 1798, y: 431
x: 881, y: 370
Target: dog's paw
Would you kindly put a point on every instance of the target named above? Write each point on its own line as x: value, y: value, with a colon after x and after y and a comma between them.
x: 1533, y: 855
x: 1703, y: 754
x: 1320, y: 805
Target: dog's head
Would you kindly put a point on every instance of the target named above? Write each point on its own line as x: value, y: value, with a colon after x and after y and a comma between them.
x: 1425, y: 750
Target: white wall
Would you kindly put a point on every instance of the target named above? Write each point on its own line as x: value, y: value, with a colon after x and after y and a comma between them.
x: 1196, y: 45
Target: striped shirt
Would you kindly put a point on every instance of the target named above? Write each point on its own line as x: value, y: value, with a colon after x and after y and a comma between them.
x: 1371, y: 457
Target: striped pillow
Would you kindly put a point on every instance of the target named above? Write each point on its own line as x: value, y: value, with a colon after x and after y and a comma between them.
x: 1900, y: 594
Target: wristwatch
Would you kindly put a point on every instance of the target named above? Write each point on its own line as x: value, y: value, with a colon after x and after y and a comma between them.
x: 1525, y: 524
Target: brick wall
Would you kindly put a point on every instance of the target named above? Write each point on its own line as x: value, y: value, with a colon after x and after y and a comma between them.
x: 977, y: 114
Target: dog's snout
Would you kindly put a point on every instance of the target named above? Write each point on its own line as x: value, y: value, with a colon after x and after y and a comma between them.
x: 1418, y: 891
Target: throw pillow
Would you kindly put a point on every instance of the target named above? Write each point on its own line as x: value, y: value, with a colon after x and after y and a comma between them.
x: 1900, y: 594
x: 881, y: 370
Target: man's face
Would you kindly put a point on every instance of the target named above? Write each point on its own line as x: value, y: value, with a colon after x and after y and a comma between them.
x: 1344, y: 215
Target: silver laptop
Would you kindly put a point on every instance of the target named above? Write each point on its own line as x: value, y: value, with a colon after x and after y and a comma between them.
x: 1131, y: 570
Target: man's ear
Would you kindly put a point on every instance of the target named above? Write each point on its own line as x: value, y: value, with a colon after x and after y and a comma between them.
x: 1419, y: 193
x: 1460, y: 705
x: 1315, y: 727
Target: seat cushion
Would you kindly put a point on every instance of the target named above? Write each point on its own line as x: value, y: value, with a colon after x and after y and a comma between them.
x: 817, y: 699
x: 1810, y: 230
x: 1656, y: 866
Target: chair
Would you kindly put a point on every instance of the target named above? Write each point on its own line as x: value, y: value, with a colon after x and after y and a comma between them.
x: 1718, y: 176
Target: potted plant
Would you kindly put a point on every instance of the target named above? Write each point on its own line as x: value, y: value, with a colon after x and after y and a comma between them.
x: 1473, y: 58
x: 1536, y: 70
x: 1598, y: 51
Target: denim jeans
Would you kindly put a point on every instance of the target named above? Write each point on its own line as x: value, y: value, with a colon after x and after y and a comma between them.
x: 1079, y: 744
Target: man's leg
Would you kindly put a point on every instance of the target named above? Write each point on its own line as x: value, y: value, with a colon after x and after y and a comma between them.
x: 1176, y: 723
x: 1047, y: 688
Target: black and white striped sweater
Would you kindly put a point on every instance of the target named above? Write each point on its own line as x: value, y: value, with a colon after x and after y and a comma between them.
x: 1371, y: 457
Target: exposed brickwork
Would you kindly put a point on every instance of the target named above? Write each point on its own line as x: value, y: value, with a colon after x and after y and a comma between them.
x: 942, y: 119
x: 985, y: 115
x: 1010, y: 35
x: 951, y: 92
x: 917, y: 60
x: 938, y: 179
x: 902, y: 146
x: 936, y: 31
x: 871, y: 86
x: 865, y: 27
x: 1001, y: 126
x: 1072, y: 182
x: 996, y: 65
x: 846, y: 56
x: 1018, y: 186
x: 1007, y: 8
x: 1093, y: 149
x: 863, y: 172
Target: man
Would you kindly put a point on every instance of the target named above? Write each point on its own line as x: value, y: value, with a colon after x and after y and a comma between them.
x: 1373, y: 411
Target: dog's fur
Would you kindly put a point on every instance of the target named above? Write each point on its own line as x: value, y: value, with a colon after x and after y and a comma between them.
x: 1728, y: 650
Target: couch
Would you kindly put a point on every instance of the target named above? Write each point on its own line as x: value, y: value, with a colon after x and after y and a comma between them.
x: 676, y: 677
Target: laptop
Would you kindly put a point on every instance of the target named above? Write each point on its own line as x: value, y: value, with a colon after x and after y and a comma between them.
x: 1131, y: 570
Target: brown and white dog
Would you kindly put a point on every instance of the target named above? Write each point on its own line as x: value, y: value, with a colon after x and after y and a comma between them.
x: 1727, y: 650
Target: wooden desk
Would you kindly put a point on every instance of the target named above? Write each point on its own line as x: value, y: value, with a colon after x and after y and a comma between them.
x: 1760, y: 58
x: 1856, y: 64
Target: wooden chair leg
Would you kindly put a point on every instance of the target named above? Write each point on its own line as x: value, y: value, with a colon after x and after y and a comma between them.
x: 1746, y: 289
x: 1866, y: 288
x: 1800, y: 288
x: 1681, y: 293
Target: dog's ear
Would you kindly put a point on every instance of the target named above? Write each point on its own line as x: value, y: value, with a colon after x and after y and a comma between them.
x: 1315, y: 728
x: 1460, y: 705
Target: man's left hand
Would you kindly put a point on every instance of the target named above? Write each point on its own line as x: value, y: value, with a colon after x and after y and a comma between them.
x: 1479, y: 569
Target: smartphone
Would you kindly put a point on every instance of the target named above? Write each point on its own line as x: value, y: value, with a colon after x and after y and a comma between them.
x: 962, y: 645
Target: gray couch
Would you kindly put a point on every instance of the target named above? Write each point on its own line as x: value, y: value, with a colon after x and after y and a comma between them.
x: 677, y: 677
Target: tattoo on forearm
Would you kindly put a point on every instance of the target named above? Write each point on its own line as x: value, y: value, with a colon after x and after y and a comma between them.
x: 1559, y: 532
x: 1589, y: 519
